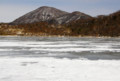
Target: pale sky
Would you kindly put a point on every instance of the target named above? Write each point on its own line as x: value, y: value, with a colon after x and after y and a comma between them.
x: 12, y: 9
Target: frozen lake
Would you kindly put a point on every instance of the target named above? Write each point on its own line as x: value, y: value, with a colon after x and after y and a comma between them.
x: 60, y: 47
x: 59, y: 59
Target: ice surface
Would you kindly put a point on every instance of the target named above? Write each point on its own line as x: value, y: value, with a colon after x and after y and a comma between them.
x: 63, y: 47
x: 59, y: 59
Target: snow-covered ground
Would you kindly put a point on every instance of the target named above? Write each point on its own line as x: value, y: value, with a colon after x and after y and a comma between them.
x: 52, y: 69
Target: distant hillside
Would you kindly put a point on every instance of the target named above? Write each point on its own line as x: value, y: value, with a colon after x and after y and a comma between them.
x: 99, y: 26
x: 49, y: 14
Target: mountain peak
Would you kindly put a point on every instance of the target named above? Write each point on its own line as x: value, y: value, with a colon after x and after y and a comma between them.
x: 76, y: 12
x: 45, y: 7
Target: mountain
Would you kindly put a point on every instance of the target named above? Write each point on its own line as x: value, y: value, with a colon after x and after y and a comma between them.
x: 49, y: 14
x: 41, y: 14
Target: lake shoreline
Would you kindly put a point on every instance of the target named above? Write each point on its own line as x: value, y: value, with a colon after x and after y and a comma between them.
x: 59, y: 36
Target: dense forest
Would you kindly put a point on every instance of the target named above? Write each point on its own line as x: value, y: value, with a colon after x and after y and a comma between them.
x: 97, y: 26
